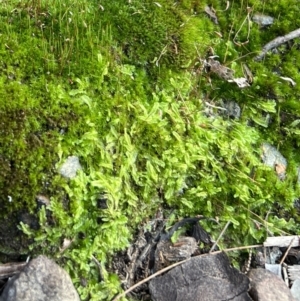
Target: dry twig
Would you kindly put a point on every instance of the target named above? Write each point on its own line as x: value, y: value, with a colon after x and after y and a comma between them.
x: 11, y: 269
x: 221, y: 234
x: 119, y: 296
x: 248, y: 34
x: 286, y: 252
x: 276, y: 42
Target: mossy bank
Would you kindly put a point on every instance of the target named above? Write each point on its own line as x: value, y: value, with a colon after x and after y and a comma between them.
x: 122, y: 85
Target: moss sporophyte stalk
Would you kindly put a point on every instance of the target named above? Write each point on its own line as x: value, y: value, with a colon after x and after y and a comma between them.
x: 122, y: 86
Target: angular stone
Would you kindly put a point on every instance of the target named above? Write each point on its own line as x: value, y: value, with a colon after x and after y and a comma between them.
x: 41, y: 279
x: 266, y: 286
x: 204, y: 278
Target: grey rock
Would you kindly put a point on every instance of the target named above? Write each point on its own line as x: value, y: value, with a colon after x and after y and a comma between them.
x: 70, y: 167
x: 274, y: 254
x: 204, y: 278
x: 41, y: 280
x: 259, y: 258
x: 262, y: 20
x: 274, y: 268
x: 295, y: 289
x: 233, y: 110
x: 273, y: 158
x: 266, y: 286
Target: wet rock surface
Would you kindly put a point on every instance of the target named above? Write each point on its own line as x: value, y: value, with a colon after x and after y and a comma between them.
x: 41, y: 279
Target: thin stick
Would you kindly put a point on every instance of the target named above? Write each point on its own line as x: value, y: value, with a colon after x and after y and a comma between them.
x: 276, y: 42
x: 221, y: 234
x: 286, y: 252
x: 99, y: 266
x: 219, y: 108
x: 119, y: 296
x: 10, y: 269
x: 241, y: 57
x: 234, y: 249
x: 267, y: 227
x: 230, y: 31
x: 264, y: 222
x: 248, y: 34
x: 244, y: 174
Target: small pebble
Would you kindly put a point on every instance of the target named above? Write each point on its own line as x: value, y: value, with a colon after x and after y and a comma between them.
x: 262, y: 20
x: 70, y: 167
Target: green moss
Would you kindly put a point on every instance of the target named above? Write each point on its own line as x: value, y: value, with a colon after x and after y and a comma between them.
x: 196, y: 37
x: 124, y: 89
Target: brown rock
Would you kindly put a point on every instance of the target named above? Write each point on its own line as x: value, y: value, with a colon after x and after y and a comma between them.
x: 167, y: 252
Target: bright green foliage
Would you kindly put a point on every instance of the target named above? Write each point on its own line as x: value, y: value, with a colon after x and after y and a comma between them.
x: 121, y: 84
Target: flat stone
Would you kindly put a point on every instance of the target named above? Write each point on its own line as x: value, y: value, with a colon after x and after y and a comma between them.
x: 204, y: 278
x: 41, y: 279
x: 266, y: 286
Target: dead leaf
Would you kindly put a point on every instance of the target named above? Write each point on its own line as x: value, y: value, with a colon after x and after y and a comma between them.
x: 212, y: 13
x: 280, y: 169
x: 225, y: 72
x: 219, y: 69
x: 43, y: 199
x: 241, y: 82
x: 247, y: 73
x: 218, y: 34
x: 158, y: 4
x: 227, y: 5
x: 66, y: 244
x: 288, y: 79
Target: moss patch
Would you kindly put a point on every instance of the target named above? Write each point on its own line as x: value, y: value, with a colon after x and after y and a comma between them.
x: 122, y: 85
